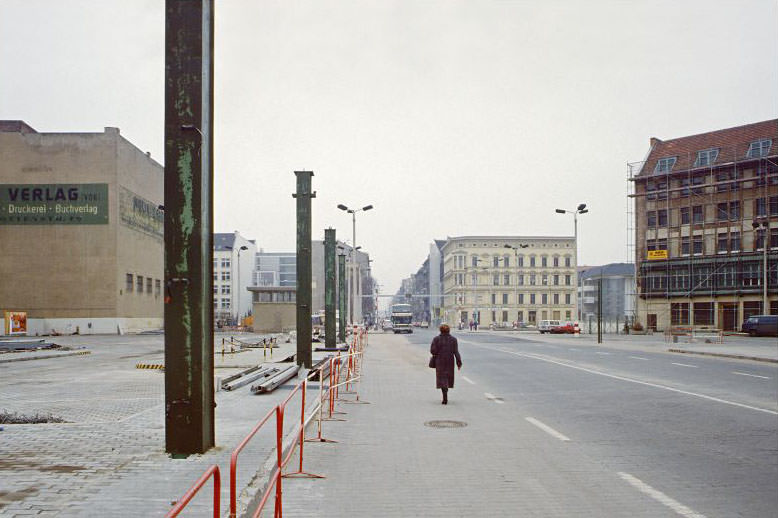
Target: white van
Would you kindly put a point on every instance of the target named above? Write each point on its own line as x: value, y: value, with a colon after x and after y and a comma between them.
x: 545, y: 326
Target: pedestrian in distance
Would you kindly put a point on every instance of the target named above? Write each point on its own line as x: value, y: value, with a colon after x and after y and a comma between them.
x: 444, y: 350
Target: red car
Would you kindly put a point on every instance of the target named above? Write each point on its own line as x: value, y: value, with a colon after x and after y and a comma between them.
x: 566, y: 329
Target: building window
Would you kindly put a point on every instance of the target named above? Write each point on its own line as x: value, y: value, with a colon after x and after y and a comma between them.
x: 521, y: 280
x: 496, y: 279
x: 226, y: 289
x: 734, y: 242
x: 751, y: 274
x: 507, y: 279
x: 225, y: 276
x: 774, y: 205
x: 773, y: 238
x: 521, y: 298
x: 697, y: 244
x: 568, y: 280
x: 215, y: 289
x: 225, y: 262
x: 651, y: 219
x: 128, y: 284
x: 532, y: 298
x: 157, y: 287
x: 567, y: 314
x: 556, y: 261
x: 697, y: 214
x: 760, y: 207
x: 567, y: 261
x: 706, y: 157
x: 532, y: 279
x: 734, y: 210
x: 759, y: 148
x: 685, y: 246
x: 665, y: 165
x: 556, y: 299
x: 567, y: 298
x: 494, y: 298
x: 544, y: 261
x: 556, y: 280
x: 679, y: 313
x: 752, y: 308
x: 215, y: 276
x: 532, y: 261
x: 506, y: 261
x: 544, y: 298
x: 504, y: 316
x: 495, y: 261
x: 215, y: 303
x: 504, y: 298
x: 544, y: 279
x: 722, y: 211
x: 662, y: 217
x: 703, y: 313
x: 685, y: 216
x: 474, y: 260
x: 225, y: 303
x: 722, y: 242
x: 139, y: 283
x: 148, y: 285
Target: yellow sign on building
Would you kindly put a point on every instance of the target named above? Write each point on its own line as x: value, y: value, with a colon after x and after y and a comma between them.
x: 657, y: 254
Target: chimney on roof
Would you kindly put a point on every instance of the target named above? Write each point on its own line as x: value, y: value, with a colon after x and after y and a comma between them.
x: 654, y: 141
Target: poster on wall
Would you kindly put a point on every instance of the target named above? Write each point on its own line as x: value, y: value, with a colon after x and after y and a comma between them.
x: 16, y: 322
x: 54, y: 204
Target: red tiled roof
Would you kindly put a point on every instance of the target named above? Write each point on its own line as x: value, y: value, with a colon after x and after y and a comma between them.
x: 732, y: 143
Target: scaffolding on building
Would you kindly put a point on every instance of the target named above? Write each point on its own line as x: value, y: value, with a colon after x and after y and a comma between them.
x: 698, y: 222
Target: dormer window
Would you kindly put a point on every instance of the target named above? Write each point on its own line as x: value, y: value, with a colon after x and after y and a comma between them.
x: 665, y: 165
x: 759, y: 148
x: 706, y: 157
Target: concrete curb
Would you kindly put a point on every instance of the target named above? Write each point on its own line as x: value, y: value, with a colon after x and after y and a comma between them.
x: 724, y: 355
x: 46, y: 356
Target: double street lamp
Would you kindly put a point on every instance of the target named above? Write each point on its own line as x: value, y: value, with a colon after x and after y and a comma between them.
x: 581, y: 209
x: 354, y: 267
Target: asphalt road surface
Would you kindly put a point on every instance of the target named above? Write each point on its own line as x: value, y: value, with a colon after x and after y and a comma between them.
x: 699, y: 435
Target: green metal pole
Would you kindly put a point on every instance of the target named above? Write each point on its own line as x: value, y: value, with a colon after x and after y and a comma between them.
x: 342, y: 297
x: 329, y: 287
x: 304, y: 273
x: 189, y: 395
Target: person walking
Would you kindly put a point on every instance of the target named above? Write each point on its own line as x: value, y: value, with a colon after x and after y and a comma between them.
x: 445, y: 349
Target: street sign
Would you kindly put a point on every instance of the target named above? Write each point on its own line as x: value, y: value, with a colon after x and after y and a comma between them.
x: 657, y: 254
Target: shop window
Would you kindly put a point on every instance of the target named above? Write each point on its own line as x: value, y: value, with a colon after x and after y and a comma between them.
x: 703, y: 313
x: 679, y: 313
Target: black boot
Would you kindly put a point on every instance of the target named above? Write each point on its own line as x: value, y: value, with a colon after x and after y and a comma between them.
x: 445, y: 397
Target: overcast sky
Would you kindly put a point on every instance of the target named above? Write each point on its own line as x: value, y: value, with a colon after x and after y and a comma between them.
x: 450, y: 117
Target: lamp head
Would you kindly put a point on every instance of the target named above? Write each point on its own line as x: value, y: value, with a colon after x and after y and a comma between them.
x: 367, y: 207
x: 583, y: 211
x: 582, y: 206
x: 244, y: 247
x: 560, y: 211
x: 342, y: 207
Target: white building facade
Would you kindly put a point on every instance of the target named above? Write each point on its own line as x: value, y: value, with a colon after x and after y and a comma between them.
x: 233, y: 265
x: 498, y: 280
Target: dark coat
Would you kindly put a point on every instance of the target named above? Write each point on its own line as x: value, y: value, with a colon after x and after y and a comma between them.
x: 445, y: 348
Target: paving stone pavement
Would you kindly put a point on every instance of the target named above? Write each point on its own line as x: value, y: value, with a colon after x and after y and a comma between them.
x: 388, y: 463
x: 108, y: 459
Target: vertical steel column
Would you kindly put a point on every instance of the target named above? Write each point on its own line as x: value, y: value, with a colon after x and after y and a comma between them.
x: 329, y: 287
x: 304, y: 274
x: 342, y: 297
x: 189, y: 398
x: 599, y: 310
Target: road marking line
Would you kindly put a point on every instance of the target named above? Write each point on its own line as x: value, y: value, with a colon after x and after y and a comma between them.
x: 685, y: 365
x: 600, y: 352
x: 468, y: 380
x: 657, y: 495
x: 752, y: 375
x: 631, y: 380
x: 550, y: 431
x: 494, y: 398
x: 573, y: 349
x: 638, y: 358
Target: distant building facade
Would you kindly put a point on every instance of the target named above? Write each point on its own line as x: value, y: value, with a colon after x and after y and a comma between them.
x: 484, y: 281
x: 82, y: 229
x: 232, y: 276
x: 706, y: 215
x: 618, y: 292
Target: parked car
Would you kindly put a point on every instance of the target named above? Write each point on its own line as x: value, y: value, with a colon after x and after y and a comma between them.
x: 386, y: 325
x: 545, y: 326
x: 761, y: 325
x: 424, y: 324
x: 567, y: 328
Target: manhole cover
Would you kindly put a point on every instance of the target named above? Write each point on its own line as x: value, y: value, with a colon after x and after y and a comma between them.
x: 445, y: 424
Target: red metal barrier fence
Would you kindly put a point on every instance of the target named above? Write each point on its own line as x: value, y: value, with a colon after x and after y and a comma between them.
x: 353, y: 361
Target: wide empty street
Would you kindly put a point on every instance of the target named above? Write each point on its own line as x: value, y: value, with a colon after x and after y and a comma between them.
x: 552, y: 426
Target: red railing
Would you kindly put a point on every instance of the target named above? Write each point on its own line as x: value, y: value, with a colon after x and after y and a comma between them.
x: 181, y: 504
x: 234, y: 462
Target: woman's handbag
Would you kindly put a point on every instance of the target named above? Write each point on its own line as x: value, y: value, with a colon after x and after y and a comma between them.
x: 432, y: 362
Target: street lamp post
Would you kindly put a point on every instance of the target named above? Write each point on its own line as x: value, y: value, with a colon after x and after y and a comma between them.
x: 764, y: 230
x: 354, y: 266
x: 232, y: 294
x: 516, y: 265
x: 581, y: 209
